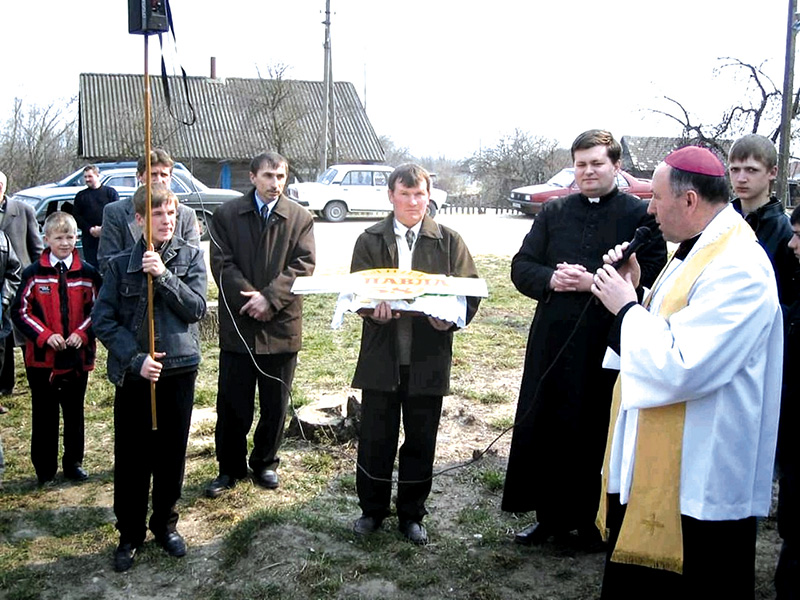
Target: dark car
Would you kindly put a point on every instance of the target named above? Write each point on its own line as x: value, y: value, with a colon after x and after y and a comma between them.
x: 76, y: 179
x: 531, y: 198
x: 190, y: 191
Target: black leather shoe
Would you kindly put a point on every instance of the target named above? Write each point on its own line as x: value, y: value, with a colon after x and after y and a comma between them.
x: 365, y: 525
x: 414, y: 532
x: 172, y: 543
x: 266, y: 479
x: 43, y: 481
x: 76, y: 474
x: 533, y: 535
x: 123, y: 557
x: 219, y: 486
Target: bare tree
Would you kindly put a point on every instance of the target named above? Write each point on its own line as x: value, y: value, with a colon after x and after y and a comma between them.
x: 518, y: 159
x: 395, y: 155
x: 757, y: 109
x: 278, y: 113
x: 38, y: 143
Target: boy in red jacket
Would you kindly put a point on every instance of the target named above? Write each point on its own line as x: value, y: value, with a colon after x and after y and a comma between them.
x: 52, y: 310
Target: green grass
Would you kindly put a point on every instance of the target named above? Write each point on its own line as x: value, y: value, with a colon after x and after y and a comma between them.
x: 294, y: 543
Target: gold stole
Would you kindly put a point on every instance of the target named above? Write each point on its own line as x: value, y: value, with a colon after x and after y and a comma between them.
x: 651, y: 533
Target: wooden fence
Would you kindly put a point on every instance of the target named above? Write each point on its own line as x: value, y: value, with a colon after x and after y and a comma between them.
x: 474, y: 205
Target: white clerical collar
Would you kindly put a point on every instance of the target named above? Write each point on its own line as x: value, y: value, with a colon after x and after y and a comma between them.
x: 54, y: 260
x: 593, y: 200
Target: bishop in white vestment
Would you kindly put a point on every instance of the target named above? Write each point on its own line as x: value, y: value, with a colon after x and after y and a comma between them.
x: 691, y: 446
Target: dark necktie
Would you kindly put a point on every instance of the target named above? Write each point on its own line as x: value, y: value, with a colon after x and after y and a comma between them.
x: 264, y: 215
x: 410, y: 237
x: 62, y: 296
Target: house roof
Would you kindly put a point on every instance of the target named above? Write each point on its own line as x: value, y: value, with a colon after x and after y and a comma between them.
x: 640, y: 153
x: 235, y: 119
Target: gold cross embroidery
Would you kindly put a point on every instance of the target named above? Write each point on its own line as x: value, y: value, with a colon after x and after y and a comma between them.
x: 652, y: 523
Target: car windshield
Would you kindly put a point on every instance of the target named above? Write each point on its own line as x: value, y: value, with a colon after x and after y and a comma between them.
x: 327, y: 176
x: 72, y: 179
x: 563, y: 178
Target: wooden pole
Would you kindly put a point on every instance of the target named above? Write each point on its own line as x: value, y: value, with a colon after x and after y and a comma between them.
x: 148, y: 220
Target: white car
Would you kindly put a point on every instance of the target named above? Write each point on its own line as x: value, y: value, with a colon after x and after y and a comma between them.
x: 344, y: 189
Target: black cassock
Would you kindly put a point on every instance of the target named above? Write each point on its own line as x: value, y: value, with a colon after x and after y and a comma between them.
x: 559, y: 439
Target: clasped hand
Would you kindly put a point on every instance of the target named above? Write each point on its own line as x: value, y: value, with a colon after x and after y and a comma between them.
x: 256, y: 306
x: 570, y: 278
x: 58, y: 343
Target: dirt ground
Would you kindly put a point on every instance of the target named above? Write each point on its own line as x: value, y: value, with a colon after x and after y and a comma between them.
x: 471, y: 555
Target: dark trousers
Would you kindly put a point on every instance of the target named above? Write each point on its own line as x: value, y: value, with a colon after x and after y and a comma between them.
x: 65, y: 392
x: 140, y: 452
x: 787, y: 574
x: 718, y: 562
x: 236, y: 405
x: 377, y: 446
x: 90, y: 244
x: 7, y: 365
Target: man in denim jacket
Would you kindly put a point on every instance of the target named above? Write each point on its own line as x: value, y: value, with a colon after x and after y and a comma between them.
x: 120, y: 321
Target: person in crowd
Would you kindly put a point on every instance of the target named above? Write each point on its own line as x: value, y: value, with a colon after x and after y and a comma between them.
x: 88, y: 211
x: 565, y: 394
x: 18, y: 222
x: 691, y: 446
x: 120, y: 229
x: 787, y: 574
x: 753, y: 167
x: 404, y: 363
x: 146, y: 445
x: 52, y: 311
x: 261, y: 243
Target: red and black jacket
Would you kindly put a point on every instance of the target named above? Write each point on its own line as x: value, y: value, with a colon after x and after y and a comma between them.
x: 44, y: 305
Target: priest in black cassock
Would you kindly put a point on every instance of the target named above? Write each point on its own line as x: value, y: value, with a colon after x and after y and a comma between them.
x: 563, y: 411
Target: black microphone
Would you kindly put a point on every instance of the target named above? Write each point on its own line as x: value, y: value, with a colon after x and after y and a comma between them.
x: 640, y: 238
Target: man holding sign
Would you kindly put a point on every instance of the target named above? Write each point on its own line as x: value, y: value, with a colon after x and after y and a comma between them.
x: 404, y: 363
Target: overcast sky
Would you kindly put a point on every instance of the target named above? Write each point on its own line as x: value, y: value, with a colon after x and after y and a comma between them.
x: 441, y: 77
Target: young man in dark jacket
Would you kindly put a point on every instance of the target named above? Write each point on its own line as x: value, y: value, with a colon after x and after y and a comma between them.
x: 88, y: 211
x: 752, y: 167
x: 404, y: 362
x: 52, y: 311
x: 120, y: 322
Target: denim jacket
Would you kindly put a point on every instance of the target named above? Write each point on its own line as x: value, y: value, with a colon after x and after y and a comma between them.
x: 119, y: 317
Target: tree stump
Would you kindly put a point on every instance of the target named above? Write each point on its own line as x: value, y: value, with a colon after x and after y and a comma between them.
x: 329, y: 419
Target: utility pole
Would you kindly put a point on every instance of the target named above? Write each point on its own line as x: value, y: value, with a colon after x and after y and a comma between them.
x: 787, y: 108
x: 323, y: 141
x: 332, y: 101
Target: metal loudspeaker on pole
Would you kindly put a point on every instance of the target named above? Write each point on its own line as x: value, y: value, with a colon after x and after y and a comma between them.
x: 146, y: 17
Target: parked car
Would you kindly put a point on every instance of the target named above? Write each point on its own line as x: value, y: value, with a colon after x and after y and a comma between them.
x: 75, y: 179
x: 531, y: 198
x: 344, y: 189
x: 190, y: 191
